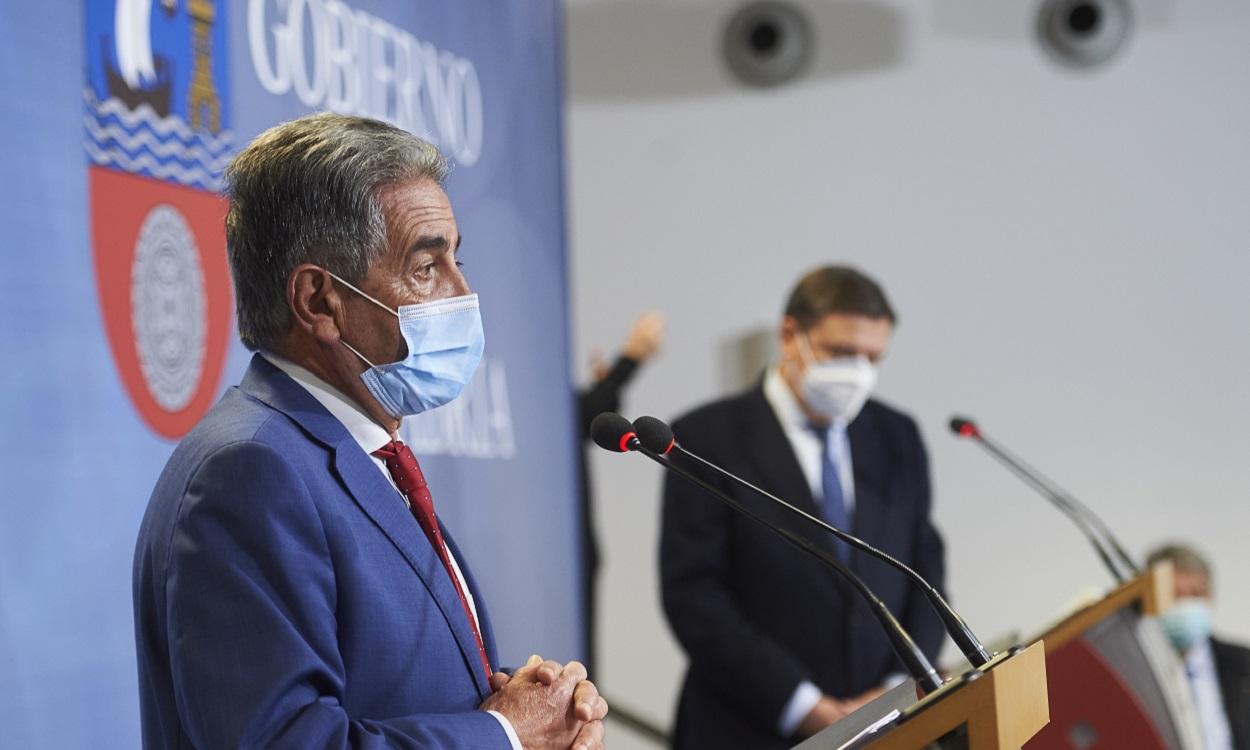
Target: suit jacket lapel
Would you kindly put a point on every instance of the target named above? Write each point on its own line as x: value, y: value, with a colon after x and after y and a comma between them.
x: 373, y: 494
x: 769, y: 451
x: 778, y: 469
x: 381, y: 502
x: 872, y: 515
x: 479, y: 601
x: 872, y: 506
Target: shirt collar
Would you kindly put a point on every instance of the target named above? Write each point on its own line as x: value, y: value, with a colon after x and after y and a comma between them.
x: 784, y: 404
x: 368, y: 434
x: 787, y: 407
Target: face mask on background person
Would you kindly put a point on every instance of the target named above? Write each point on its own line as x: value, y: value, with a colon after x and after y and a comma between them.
x: 445, y: 344
x: 1188, y: 623
x: 836, y: 388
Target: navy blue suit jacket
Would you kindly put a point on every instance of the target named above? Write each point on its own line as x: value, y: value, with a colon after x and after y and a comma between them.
x: 755, y: 616
x: 285, y: 597
x: 1232, y: 665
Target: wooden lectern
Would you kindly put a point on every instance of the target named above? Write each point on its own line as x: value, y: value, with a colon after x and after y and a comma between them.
x: 1115, y: 682
x: 1000, y: 707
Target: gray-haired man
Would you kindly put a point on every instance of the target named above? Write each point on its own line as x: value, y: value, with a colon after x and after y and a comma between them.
x: 293, y: 585
x: 1219, y: 672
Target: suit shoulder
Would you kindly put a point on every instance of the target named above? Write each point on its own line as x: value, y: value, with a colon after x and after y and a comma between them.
x: 890, y: 420
x: 714, y: 417
x: 240, y: 461
x: 1232, y: 654
x: 239, y: 418
x: 888, y: 413
x: 237, y: 430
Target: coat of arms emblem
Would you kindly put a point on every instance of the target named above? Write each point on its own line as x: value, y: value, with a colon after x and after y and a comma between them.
x: 157, y: 139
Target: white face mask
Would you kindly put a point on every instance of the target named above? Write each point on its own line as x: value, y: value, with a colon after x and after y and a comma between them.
x: 836, y: 388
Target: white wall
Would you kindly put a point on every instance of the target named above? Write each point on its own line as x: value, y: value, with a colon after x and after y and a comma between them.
x: 1068, y: 254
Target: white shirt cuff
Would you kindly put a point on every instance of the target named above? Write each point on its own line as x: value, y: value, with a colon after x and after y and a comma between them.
x: 801, y: 703
x: 508, y: 730
x: 893, y: 680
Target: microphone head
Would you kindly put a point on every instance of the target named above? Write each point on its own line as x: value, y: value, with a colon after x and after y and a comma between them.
x: 612, y: 432
x: 655, y: 435
x: 964, y: 427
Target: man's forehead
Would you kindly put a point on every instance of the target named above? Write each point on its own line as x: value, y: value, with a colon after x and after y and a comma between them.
x: 419, y: 212
x: 839, y: 325
x: 421, y: 197
x: 1190, y: 579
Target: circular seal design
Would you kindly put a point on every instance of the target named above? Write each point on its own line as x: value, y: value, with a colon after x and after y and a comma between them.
x: 168, y: 307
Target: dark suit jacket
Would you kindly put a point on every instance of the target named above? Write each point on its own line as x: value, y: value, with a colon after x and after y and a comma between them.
x: 1232, y: 663
x: 757, y: 617
x: 285, y: 597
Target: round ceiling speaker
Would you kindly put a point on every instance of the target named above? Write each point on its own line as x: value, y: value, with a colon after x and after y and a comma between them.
x: 1084, y: 33
x: 767, y: 43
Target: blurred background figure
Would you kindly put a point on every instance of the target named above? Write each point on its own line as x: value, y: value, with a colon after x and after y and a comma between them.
x: 1219, y: 672
x: 645, y: 337
x: 778, y: 647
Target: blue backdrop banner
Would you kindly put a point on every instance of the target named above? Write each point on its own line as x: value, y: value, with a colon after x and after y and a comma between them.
x: 118, y: 119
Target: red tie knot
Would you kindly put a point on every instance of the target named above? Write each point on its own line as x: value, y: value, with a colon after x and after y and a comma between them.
x: 390, y: 450
x: 407, y: 473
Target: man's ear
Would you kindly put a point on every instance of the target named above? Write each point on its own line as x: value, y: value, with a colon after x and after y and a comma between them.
x: 314, y: 302
x: 788, y: 359
x: 788, y: 330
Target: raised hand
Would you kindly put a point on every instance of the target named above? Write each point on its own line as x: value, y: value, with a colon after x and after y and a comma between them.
x: 645, y: 337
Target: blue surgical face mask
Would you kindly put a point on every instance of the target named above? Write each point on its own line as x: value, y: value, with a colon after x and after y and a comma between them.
x: 445, y: 343
x: 1188, y: 623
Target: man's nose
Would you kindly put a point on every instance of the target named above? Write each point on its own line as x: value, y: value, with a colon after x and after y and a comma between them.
x: 460, y: 285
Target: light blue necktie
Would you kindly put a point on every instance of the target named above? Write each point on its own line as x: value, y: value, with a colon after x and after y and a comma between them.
x: 833, y: 509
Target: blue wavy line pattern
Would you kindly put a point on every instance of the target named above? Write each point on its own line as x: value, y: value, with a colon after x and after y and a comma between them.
x: 141, y: 142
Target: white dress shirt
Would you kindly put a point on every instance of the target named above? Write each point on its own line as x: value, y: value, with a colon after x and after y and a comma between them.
x: 807, y: 447
x: 371, y: 436
x: 1204, y: 681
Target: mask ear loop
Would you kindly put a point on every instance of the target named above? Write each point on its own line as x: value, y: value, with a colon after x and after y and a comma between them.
x: 804, y: 356
x: 351, y: 348
x: 352, y: 287
x: 809, y: 358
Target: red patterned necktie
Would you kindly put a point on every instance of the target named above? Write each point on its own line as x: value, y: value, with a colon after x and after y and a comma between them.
x: 408, y: 477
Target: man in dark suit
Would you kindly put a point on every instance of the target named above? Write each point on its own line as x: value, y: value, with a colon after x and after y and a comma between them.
x: 780, y: 648
x: 1218, y: 671
x: 293, y: 586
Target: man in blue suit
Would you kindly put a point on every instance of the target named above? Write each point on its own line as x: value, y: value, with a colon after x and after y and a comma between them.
x: 293, y: 586
x: 779, y: 647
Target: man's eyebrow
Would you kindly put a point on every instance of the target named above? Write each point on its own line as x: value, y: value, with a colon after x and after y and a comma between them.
x: 431, y: 242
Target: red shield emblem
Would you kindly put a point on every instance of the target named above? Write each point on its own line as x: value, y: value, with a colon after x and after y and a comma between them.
x: 164, y: 287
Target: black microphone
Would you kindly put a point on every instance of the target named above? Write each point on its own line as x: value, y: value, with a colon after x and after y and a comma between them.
x: 1080, y: 514
x: 658, y: 437
x: 614, y: 433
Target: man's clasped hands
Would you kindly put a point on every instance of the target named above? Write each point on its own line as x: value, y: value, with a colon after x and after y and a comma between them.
x: 550, y: 706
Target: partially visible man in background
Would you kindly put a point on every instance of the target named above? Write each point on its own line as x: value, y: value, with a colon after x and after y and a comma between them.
x: 293, y: 585
x: 646, y: 335
x: 779, y: 647
x: 1219, y: 672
